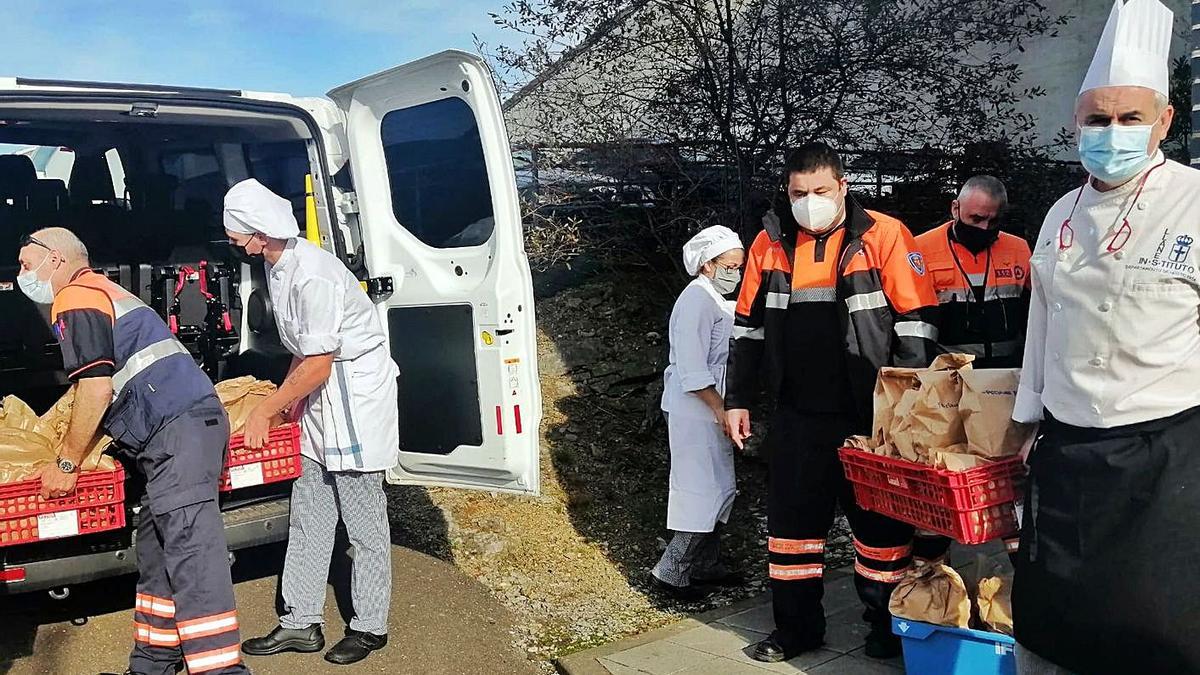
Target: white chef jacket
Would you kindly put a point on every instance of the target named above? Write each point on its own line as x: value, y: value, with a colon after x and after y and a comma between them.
x: 1114, y: 337
x: 350, y: 423
x: 703, y: 483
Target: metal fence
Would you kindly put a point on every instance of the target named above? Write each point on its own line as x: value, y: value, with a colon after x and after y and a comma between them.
x: 602, y: 181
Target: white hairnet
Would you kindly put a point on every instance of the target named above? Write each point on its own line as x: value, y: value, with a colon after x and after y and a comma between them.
x: 708, y: 244
x: 251, y: 208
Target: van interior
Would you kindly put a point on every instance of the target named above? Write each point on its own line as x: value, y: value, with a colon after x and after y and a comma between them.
x: 144, y: 192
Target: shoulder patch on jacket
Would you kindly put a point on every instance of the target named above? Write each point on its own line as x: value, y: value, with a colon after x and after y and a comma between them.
x: 917, y: 262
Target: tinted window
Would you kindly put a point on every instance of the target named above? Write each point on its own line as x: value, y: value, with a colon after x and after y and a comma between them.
x: 438, y: 178
x: 280, y: 166
x: 189, y: 165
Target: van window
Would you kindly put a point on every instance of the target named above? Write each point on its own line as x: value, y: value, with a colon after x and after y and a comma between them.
x: 438, y: 177
x: 281, y: 166
x: 189, y: 165
x: 116, y: 170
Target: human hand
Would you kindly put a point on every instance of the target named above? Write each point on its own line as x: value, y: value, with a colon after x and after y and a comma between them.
x: 57, y: 483
x: 737, y: 425
x: 256, y: 429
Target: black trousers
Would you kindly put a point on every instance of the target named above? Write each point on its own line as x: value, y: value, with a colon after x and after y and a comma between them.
x: 1109, y: 567
x: 806, y: 483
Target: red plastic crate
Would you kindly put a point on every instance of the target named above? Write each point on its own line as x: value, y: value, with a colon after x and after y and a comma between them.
x: 97, y: 505
x: 970, y: 506
x: 278, y: 460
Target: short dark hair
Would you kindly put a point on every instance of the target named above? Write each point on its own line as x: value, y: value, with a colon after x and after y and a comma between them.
x: 988, y: 185
x: 812, y: 157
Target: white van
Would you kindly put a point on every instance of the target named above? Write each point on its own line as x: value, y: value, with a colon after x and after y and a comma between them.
x: 414, y: 191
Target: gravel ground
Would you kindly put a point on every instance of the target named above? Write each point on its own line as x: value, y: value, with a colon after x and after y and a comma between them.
x: 573, y: 564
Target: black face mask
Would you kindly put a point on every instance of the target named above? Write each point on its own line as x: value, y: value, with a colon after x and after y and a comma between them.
x: 976, y: 239
x: 241, y: 255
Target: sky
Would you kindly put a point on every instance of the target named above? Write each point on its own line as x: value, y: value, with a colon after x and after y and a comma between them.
x: 299, y: 47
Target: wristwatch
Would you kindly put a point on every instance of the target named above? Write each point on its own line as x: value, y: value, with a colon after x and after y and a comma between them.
x: 67, y: 466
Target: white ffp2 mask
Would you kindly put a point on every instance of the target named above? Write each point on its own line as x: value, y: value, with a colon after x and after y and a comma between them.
x: 815, y: 213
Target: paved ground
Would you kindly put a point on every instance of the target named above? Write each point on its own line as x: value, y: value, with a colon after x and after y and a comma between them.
x: 719, y: 643
x: 442, y: 622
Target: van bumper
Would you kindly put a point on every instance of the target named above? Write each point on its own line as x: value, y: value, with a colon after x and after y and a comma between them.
x: 245, y: 527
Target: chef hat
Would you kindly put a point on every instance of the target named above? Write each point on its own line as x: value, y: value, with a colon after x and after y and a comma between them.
x: 708, y: 244
x: 1135, y: 48
x: 251, y: 208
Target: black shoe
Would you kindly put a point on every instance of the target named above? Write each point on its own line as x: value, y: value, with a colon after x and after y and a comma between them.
x: 769, y: 650
x: 728, y: 579
x: 355, y: 647
x: 881, y: 643
x: 303, y: 640
x: 681, y: 593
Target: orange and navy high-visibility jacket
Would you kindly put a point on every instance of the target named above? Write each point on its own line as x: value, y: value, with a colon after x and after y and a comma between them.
x: 105, y: 331
x: 984, y: 298
x: 885, y: 305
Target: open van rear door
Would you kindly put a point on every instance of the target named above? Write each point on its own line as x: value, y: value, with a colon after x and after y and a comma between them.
x: 440, y: 216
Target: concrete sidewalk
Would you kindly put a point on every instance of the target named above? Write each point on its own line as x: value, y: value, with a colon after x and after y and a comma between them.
x: 720, y: 642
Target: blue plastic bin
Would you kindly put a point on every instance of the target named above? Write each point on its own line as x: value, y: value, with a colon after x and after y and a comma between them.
x: 938, y: 650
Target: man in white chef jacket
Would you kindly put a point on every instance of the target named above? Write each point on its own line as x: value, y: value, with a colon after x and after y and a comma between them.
x: 1109, y: 563
x: 344, y: 379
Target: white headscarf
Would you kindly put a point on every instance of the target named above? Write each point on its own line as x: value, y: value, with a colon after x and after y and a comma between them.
x: 250, y: 208
x: 708, y: 244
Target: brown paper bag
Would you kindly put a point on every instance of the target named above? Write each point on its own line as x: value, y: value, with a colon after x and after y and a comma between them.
x: 893, y: 403
x: 240, y: 396
x: 955, y: 458
x: 53, y: 425
x: 932, y: 593
x: 988, y: 397
x: 889, y: 389
x: 859, y: 443
x: 995, y: 604
x: 15, y: 414
x: 928, y: 418
x: 23, y: 454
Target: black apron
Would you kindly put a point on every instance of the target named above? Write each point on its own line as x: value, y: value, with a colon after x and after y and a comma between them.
x: 1108, y: 574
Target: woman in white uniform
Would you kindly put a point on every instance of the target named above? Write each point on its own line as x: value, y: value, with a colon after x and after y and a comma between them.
x: 342, y: 384
x: 702, y: 475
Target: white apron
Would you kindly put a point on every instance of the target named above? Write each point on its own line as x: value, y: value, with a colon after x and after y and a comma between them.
x: 350, y: 423
x: 341, y: 425
x: 703, y: 484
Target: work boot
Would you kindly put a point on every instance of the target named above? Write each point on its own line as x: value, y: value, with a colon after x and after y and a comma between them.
x: 770, y: 651
x: 355, y: 647
x: 303, y: 640
x: 881, y: 643
x: 681, y: 593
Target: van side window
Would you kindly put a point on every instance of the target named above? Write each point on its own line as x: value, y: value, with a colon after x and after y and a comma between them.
x: 438, y: 177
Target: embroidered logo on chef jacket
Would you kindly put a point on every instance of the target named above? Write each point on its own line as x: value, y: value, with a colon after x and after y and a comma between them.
x: 1171, y: 257
x: 1183, y: 244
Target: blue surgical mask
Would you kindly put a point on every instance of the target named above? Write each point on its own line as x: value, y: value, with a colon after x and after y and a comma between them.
x: 1115, y: 153
x: 38, y: 290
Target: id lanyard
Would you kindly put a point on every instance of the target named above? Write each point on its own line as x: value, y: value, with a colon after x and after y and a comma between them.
x: 972, y: 299
x: 1066, y: 235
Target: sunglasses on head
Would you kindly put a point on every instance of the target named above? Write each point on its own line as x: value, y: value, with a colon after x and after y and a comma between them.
x: 29, y: 239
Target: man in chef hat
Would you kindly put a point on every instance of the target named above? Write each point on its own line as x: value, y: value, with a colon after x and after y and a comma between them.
x: 1107, y: 571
